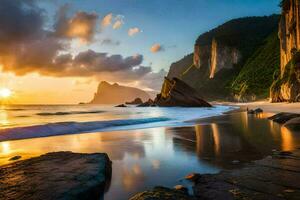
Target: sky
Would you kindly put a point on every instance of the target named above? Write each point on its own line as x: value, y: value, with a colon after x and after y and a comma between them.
x: 57, y: 51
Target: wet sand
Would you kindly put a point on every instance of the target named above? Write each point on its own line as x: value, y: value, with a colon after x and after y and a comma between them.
x: 145, y: 158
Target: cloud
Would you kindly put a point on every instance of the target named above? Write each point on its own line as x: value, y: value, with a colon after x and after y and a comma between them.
x: 116, y: 21
x: 117, y: 24
x: 82, y: 25
x: 156, y: 48
x: 119, y: 21
x: 107, y: 20
x: 133, y: 31
x: 27, y: 46
x: 109, y: 41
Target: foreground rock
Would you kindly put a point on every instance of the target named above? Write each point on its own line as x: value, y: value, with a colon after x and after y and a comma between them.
x: 136, y: 101
x: 175, y: 92
x: 162, y: 193
x: 58, y: 175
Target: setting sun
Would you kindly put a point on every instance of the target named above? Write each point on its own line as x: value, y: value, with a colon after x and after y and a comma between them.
x: 5, y: 93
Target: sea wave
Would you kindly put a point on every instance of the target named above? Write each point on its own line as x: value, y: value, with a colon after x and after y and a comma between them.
x: 62, y: 128
x: 69, y: 113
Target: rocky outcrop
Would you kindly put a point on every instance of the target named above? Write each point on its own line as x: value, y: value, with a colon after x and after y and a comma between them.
x: 286, y: 87
x: 117, y: 94
x: 58, y: 175
x: 175, y: 92
x: 136, y: 101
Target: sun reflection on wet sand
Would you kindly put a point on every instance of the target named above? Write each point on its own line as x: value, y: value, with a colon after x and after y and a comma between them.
x: 216, y: 136
x: 3, y: 118
x: 287, y: 139
x: 5, y: 148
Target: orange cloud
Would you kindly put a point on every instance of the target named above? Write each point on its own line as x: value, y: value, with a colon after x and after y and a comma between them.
x: 82, y: 25
x: 133, y: 31
x: 156, y: 48
x: 117, y: 24
x: 107, y: 20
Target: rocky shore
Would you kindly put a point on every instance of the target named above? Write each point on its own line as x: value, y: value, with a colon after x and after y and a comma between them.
x: 57, y: 175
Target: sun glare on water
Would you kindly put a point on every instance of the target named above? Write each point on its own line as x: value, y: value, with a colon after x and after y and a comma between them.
x: 5, y: 93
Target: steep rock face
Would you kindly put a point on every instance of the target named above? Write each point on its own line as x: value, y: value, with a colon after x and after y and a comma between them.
x: 287, y: 85
x: 177, y: 93
x: 117, y: 94
x: 289, y: 30
x: 220, y: 54
x: 216, y: 57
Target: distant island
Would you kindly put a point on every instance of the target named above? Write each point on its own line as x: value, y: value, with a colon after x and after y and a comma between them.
x: 117, y: 94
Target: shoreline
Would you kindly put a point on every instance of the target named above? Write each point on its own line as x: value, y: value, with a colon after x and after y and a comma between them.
x: 265, y: 105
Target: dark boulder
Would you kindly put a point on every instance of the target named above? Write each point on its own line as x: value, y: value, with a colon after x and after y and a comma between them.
x: 121, y: 106
x: 283, y: 117
x: 136, y: 101
x: 175, y: 92
x: 58, y: 175
x: 15, y: 158
x: 256, y: 111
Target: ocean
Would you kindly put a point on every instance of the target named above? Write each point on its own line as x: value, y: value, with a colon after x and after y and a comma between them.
x: 31, y: 121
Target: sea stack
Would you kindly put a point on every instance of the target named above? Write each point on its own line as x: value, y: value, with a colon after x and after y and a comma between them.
x: 175, y: 92
x: 117, y: 94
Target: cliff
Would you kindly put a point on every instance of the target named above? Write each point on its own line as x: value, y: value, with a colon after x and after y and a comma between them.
x: 286, y: 86
x: 117, y: 94
x: 289, y: 31
x: 221, y: 54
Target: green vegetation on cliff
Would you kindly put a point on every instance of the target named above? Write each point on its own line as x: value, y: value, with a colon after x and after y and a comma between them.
x: 256, y: 76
